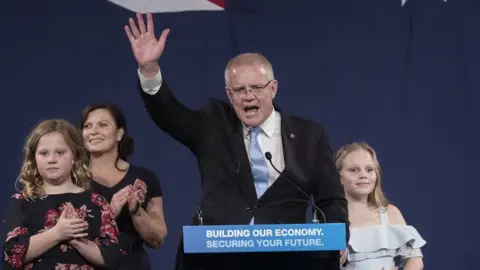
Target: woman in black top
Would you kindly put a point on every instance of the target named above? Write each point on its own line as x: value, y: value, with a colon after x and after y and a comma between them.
x: 134, y: 192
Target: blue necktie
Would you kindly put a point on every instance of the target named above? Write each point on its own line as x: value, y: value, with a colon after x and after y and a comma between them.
x: 259, y: 164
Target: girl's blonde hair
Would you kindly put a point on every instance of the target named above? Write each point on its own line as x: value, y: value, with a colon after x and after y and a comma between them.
x: 29, y: 175
x: 377, y: 198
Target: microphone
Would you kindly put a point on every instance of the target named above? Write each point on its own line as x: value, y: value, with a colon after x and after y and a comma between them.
x: 315, y: 208
x: 200, y: 215
x: 200, y: 206
x: 253, y: 208
x: 199, y: 212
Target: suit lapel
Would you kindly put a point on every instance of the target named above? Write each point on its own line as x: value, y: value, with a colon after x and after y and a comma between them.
x: 237, y: 144
x: 289, y: 142
x: 289, y: 145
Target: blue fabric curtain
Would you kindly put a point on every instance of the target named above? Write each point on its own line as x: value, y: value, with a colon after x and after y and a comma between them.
x: 404, y: 79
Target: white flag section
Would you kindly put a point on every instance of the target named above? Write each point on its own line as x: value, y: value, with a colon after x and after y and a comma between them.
x: 404, y: 1
x: 154, y: 6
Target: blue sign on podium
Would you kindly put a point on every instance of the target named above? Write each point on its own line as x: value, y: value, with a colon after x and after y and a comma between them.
x: 264, y: 238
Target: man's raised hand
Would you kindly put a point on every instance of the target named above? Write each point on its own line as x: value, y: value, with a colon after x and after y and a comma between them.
x: 146, y: 48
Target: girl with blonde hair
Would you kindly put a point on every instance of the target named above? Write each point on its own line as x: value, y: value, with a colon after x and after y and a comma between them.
x: 379, y: 235
x: 55, y: 222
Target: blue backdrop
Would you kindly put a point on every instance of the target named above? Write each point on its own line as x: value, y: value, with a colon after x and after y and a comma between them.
x: 404, y: 79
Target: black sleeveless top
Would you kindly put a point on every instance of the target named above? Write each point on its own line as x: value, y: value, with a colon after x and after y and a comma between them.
x: 130, y: 241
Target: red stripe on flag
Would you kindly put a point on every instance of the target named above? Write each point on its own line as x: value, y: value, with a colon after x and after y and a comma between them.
x: 220, y: 3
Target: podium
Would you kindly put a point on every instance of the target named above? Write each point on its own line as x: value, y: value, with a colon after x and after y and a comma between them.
x: 264, y: 238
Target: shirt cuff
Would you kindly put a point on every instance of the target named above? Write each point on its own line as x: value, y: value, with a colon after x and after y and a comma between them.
x: 150, y: 85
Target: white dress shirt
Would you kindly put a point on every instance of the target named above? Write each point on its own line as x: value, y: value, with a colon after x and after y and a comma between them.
x: 270, y: 138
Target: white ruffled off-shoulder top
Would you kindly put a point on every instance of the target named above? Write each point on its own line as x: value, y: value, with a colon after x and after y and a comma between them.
x: 382, y: 246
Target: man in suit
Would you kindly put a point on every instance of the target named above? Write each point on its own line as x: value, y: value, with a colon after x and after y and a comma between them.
x: 230, y: 141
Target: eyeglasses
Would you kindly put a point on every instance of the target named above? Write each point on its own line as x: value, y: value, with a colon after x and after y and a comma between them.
x: 242, y: 90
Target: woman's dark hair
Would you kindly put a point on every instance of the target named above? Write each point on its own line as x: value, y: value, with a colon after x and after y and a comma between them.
x: 125, y: 145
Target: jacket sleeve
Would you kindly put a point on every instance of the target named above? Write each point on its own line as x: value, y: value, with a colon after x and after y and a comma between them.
x: 183, y: 124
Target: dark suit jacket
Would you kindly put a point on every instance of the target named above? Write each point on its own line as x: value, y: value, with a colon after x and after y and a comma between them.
x: 214, y: 134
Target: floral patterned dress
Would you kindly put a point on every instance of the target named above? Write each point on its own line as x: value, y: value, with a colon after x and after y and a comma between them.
x: 26, y: 218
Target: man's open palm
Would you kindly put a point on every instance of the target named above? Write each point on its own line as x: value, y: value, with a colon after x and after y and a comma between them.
x: 145, y: 46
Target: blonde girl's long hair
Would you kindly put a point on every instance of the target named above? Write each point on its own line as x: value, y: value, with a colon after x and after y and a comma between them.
x: 29, y: 176
x: 377, y: 198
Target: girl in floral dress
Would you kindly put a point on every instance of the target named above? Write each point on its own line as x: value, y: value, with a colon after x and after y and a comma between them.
x: 55, y: 222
